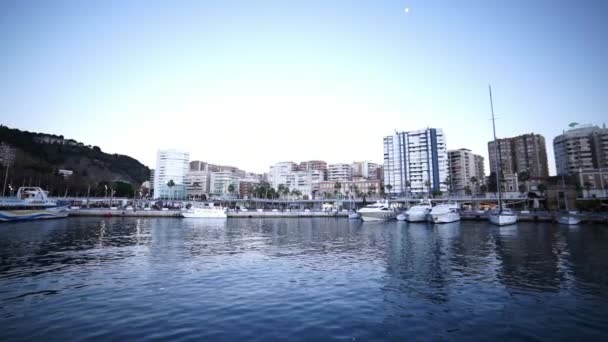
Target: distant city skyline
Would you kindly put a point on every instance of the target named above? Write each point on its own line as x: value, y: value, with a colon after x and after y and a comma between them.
x: 252, y: 84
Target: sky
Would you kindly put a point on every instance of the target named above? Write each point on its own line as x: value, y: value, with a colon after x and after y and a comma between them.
x: 252, y: 83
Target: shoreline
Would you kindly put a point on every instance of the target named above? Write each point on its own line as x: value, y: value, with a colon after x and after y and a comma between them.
x: 544, y: 216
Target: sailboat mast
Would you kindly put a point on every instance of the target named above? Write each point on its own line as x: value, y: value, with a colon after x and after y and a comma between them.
x: 565, y: 193
x: 497, y: 154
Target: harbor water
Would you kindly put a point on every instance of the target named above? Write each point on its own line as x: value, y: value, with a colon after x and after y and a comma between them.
x: 303, y: 279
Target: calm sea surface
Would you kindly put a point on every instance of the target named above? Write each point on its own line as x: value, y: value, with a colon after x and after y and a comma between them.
x: 301, y: 279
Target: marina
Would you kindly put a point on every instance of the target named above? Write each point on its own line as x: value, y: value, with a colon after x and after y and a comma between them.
x: 301, y: 280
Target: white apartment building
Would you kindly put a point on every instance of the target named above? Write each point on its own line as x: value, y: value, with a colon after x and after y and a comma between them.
x: 220, y: 183
x: 339, y: 172
x: 279, y: 171
x: 581, y: 148
x: 304, y: 181
x: 172, y: 165
x: 415, y: 162
x: 464, y: 165
x: 365, y: 169
x: 197, y: 183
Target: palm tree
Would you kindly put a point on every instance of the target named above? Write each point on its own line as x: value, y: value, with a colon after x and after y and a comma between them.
x: 170, y: 184
x: 467, y: 190
x: 389, y: 187
x: 231, y: 188
x: 337, y: 188
x: 448, y: 182
x: 542, y: 188
x: 474, y: 182
x: 286, y: 191
x: 372, y: 189
x: 428, y: 185
x: 483, y: 188
x: 280, y: 189
x: 524, y: 176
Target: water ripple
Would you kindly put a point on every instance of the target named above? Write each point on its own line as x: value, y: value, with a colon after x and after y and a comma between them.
x: 300, y: 279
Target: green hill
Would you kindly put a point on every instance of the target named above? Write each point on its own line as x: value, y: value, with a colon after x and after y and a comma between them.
x: 39, y: 157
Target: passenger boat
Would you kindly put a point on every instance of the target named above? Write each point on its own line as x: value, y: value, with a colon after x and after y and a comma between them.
x: 31, y: 203
x: 444, y: 213
x: 378, y: 211
x: 205, y: 211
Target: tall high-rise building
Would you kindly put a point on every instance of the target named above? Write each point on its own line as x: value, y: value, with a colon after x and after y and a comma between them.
x: 463, y: 166
x: 339, y: 172
x: 522, y: 153
x: 582, y: 148
x: 481, y: 170
x: 171, y: 165
x: 415, y: 162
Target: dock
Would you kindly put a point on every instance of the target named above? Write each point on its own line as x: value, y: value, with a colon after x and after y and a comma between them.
x: 470, y: 215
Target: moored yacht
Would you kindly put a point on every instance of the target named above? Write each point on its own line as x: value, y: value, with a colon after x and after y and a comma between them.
x: 378, y: 211
x: 569, y: 219
x: 502, y: 217
x: 31, y: 203
x: 209, y: 211
x: 418, y: 212
x: 354, y: 215
x: 444, y: 213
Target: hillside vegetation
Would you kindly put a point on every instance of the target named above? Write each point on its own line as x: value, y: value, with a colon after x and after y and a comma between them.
x: 39, y: 157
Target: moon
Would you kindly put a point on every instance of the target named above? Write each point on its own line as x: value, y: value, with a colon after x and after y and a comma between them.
x: 407, y: 10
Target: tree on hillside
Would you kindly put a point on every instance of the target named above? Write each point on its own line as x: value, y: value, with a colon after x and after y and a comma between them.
x: 123, y: 189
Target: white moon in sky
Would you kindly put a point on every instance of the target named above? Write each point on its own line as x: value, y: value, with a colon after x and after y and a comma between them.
x: 407, y: 10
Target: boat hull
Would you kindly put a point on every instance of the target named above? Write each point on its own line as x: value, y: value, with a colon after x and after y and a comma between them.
x: 377, y: 216
x: 354, y: 216
x: 417, y: 217
x: 445, y: 217
x: 33, y: 214
x: 569, y: 220
x: 205, y: 215
x: 503, y: 220
x: 402, y: 217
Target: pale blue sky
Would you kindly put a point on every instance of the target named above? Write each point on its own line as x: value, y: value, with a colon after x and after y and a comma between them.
x: 251, y: 83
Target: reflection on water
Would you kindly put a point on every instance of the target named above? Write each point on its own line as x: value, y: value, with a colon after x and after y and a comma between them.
x: 302, y: 279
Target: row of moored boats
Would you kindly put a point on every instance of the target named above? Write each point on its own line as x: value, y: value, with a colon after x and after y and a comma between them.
x: 440, y: 213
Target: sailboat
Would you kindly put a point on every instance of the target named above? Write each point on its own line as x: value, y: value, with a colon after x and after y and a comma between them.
x: 353, y: 214
x: 499, y: 216
x: 567, y: 218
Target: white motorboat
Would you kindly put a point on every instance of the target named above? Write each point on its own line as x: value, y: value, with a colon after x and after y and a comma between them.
x: 402, y: 216
x: 208, y: 211
x: 31, y: 203
x: 569, y: 219
x: 418, y: 212
x: 378, y: 211
x: 353, y: 215
x: 445, y: 213
x: 501, y: 216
